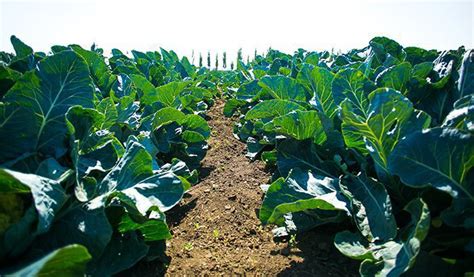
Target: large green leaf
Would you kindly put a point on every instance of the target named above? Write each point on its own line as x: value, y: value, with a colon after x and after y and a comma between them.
x: 80, y: 225
x: 389, y: 117
x: 95, y: 151
x: 299, y: 125
x: 134, y: 177
x: 41, y: 98
x: 301, y: 191
x: 354, y: 86
x: 168, y: 94
x: 231, y: 106
x: 416, y: 55
x: 285, y: 88
x: 176, y: 135
x: 25, y: 59
x: 248, y: 91
x: 70, y: 260
x: 146, y: 90
x: 152, y: 230
x: 320, y: 81
x: 371, y: 207
x: 422, y: 70
x: 462, y: 116
x: 99, y: 69
x: 134, y: 166
x: 123, y: 86
x: 304, y: 155
x: 122, y: 253
x: 127, y: 111
x: 167, y: 115
x: 395, y: 77
x: 394, y: 257
x: 48, y: 199
x: 353, y: 245
x: 195, y: 100
x: 48, y: 195
x: 197, y: 124
x: 442, y: 158
x: 82, y: 121
x: 107, y: 107
x: 386, y: 49
x: 8, y: 78
x: 440, y: 93
x: 272, y: 108
x: 163, y: 190
x: 21, y: 49
x: 465, y: 83
x: 400, y: 255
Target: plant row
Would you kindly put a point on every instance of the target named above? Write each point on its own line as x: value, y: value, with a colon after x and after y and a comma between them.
x: 378, y: 139
x: 94, y: 150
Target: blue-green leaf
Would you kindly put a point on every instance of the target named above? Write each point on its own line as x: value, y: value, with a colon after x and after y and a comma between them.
x: 354, y: 86
x: 41, y: 98
x: 371, y: 207
x: 284, y: 88
x: 70, y: 260
x: 301, y: 191
x: 441, y: 158
x: 272, y: 108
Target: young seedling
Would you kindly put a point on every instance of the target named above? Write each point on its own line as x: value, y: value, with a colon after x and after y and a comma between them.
x: 215, y: 233
x: 188, y: 246
x: 292, y: 242
x: 197, y: 226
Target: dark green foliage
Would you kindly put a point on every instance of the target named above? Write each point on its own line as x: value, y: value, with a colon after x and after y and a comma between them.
x: 378, y: 137
x: 92, y: 155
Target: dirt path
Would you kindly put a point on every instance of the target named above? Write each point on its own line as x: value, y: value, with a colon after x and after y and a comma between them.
x: 216, y: 230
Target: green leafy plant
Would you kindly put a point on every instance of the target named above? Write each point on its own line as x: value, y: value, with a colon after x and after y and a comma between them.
x: 379, y: 138
x: 93, y: 154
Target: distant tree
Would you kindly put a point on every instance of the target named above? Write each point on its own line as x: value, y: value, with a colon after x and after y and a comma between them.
x: 192, y: 57
x: 248, y: 59
x: 224, y: 60
x: 200, y: 60
x: 239, y: 55
x: 232, y: 66
x: 209, y: 59
x: 217, y: 61
x: 255, y: 54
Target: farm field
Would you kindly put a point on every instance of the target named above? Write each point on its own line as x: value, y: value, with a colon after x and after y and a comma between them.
x: 303, y: 164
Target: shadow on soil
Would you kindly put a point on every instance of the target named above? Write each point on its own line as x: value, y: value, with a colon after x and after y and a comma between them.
x: 177, y: 214
x: 317, y: 255
x: 205, y: 171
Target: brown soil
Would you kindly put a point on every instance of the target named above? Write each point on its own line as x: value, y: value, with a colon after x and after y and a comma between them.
x: 216, y: 230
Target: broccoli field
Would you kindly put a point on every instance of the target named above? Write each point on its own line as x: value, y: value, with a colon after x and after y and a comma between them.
x: 319, y: 163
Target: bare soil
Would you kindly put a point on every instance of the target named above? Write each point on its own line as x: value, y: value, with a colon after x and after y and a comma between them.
x: 216, y: 230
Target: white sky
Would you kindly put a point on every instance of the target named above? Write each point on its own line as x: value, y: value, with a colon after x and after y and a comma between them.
x: 211, y: 25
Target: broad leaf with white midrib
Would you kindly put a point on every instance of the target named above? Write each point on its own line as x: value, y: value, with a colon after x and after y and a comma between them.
x: 43, y: 98
x: 441, y: 158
